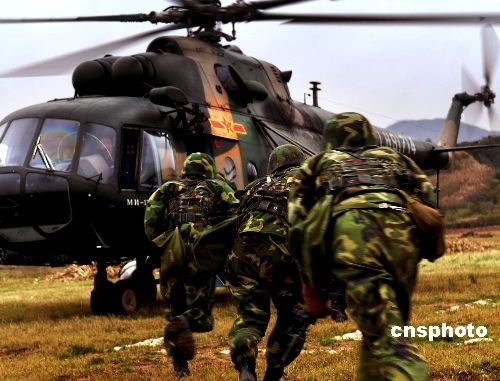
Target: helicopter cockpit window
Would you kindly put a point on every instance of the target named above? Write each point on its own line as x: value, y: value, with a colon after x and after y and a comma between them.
x: 97, y: 155
x: 230, y: 171
x: 252, y: 172
x: 2, y: 129
x: 55, y: 146
x: 13, y: 145
x: 157, y: 161
x: 233, y: 84
x: 3, y: 150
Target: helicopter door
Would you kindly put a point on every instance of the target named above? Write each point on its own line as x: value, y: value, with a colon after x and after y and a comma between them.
x: 128, y: 176
x: 157, y: 160
x: 148, y: 159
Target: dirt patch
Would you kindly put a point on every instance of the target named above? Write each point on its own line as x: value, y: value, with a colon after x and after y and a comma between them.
x: 461, y: 245
x: 493, y: 230
x: 82, y: 272
x: 8, y: 352
x: 467, y: 239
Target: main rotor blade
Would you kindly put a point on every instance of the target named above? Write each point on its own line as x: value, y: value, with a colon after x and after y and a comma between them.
x: 490, y: 52
x: 393, y: 18
x: 268, y: 4
x: 62, y: 64
x: 138, y: 17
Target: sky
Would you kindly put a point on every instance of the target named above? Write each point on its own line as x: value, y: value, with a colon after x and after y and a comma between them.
x: 388, y: 73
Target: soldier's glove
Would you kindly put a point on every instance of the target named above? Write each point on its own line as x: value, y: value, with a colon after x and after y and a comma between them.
x: 315, y: 302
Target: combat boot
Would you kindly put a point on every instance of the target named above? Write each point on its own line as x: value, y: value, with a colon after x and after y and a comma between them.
x: 339, y: 316
x: 273, y: 374
x: 179, y: 337
x: 247, y: 371
x: 181, y: 367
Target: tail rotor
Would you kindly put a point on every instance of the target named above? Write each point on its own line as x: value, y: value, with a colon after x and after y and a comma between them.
x: 484, y: 94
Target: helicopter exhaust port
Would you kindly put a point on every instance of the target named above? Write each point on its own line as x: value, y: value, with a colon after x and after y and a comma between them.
x: 315, y: 90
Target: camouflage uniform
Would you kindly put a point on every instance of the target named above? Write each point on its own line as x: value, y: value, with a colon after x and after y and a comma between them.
x: 260, y: 269
x: 176, y: 214
x: 348, y: 214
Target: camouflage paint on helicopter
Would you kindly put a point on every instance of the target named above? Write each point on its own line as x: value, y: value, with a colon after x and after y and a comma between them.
x: 229, y: 100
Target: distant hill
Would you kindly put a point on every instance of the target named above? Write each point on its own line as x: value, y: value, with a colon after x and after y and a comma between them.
x: 470, y: 189
x: 424, y: 129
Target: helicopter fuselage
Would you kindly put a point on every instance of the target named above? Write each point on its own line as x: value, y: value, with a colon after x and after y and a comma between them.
x: 75, y: 173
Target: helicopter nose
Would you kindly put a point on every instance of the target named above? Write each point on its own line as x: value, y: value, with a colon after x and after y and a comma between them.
x: 32, y: 207
x: 10, y: 192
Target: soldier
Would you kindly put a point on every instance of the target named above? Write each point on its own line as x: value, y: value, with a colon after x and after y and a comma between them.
x: 348, y: 210
x: 176, y: 213
x: 260, y: 269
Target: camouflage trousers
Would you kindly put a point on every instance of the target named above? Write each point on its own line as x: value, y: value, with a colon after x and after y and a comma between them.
x: 191, y: 293
x: 376, y: 254
x: 260, y: 269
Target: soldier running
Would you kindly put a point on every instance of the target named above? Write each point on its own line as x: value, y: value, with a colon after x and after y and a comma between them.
x: 261, y: 269
x: 350, y: 221
x: 176, y: 214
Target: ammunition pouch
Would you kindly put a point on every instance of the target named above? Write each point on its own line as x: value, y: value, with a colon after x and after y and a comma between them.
x: 269, y: 195
x: 268, y: 206
x: 430, y: 224
x: 196, y: 218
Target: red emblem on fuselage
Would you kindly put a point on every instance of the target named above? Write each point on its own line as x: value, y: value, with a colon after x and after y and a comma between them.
x: 228, y: 125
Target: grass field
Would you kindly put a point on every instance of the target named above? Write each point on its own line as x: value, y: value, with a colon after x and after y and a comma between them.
x: 48, y: 333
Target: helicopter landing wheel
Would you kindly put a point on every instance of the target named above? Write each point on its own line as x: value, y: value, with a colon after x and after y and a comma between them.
x: 127, y: 296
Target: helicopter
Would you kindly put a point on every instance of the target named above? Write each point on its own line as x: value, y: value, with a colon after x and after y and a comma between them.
x: 75, y: 173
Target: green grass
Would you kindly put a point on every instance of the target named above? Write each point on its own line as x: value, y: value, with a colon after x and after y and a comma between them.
x: 48, y: 332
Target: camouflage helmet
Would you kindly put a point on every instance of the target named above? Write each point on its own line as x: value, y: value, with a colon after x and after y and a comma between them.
x: 199, y: 164
x: 348, y: 129
x: 284, y: 156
